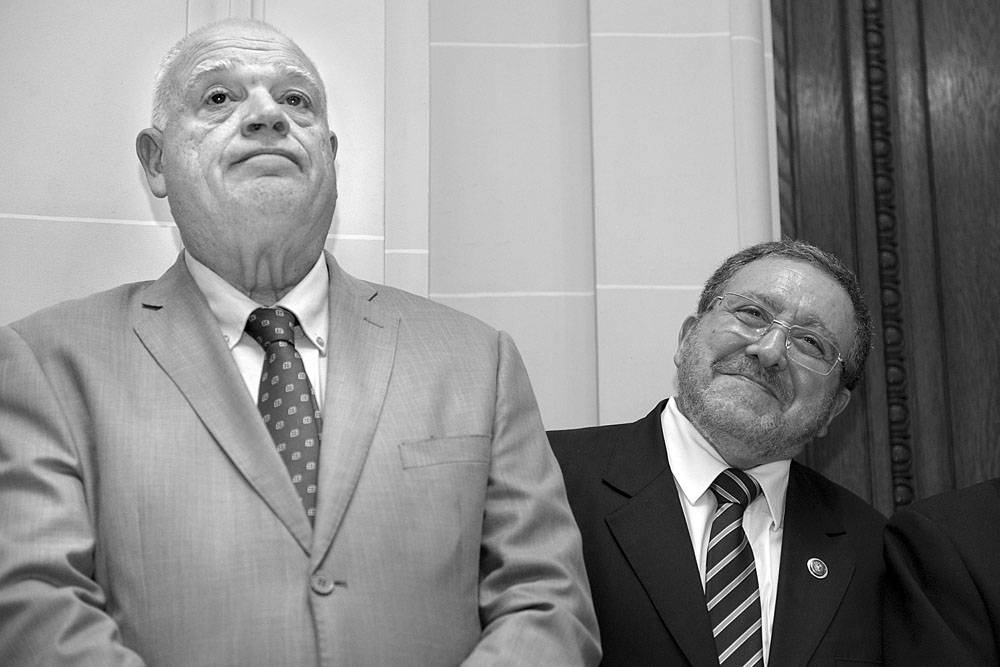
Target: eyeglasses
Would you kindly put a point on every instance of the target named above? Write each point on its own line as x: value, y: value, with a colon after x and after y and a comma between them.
x: 807, y: 348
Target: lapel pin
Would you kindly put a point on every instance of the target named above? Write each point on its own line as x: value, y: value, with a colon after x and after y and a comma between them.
x: 817, y: 568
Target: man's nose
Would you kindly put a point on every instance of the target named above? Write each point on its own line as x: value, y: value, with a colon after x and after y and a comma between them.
x: 771, y: 349
x: 263, y: 115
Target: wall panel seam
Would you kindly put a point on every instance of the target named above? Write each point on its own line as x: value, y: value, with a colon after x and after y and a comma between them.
x: 504, y: 295
x: 664, y: 35
x: 511, y: 45
x: 27, y: 217
x: 678, y: 288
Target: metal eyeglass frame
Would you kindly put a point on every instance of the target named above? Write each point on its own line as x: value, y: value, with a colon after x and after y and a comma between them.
x: 788, y: 332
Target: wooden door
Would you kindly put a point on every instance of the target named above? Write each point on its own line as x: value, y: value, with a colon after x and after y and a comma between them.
x: 889, y: 156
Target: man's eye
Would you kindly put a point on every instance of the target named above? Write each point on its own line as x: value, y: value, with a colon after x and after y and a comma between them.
x: 811, y: 344
x: 296, y: 100
x: 218, y: 98
x: 751, y: 314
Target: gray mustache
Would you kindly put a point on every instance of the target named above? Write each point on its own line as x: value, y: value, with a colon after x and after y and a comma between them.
x: 751, y: 368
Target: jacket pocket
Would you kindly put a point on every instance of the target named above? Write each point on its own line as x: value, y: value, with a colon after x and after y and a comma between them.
x: 438, y: 451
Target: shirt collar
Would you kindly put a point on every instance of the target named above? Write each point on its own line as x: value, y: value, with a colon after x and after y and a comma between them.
x: 231, y: 307
x: 695, y: 464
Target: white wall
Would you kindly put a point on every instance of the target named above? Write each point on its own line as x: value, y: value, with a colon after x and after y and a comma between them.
x: 570, y: 171
x: 75, y: 213
x: 591, y: 164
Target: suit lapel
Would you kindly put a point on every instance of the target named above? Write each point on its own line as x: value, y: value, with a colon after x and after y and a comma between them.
x: 362, y: 348
x: 178, y: 329
x: 652, y: 533
x: 805, y: 605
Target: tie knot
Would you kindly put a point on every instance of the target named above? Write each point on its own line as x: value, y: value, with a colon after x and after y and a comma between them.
x: 268, y: 325
x: 735, y: 486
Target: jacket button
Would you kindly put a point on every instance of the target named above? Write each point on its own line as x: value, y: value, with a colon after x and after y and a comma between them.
x: 321, y: 584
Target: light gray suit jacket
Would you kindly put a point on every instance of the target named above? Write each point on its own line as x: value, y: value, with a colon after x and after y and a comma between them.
x: 145, y: 515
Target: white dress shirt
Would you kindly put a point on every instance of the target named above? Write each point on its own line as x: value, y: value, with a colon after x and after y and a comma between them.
x: 308, y: 300
x: 695, y: 465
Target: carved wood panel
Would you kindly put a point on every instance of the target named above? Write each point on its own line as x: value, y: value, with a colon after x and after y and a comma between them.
x: 889, y: 145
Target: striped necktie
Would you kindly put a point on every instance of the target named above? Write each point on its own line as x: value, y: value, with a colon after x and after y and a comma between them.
x: 731, y: 589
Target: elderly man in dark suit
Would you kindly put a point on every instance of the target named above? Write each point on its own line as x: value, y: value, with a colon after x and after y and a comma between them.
x: 705, y: 543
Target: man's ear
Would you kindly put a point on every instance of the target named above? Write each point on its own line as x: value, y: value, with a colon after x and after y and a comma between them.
x: 333, y: 144
x: 689, y: 323
x: 149, y: 148
x: 840, y: 402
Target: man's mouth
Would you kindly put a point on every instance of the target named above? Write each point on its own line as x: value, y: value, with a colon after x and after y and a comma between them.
x: 268, y: 153
x: 745, y: 370
x: 756, y: 381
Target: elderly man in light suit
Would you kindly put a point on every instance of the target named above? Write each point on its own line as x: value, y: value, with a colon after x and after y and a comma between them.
x: 150, y: 508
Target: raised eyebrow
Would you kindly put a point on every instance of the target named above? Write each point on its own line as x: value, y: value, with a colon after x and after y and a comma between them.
x: 207, y: 68
x: 810, y: 322
x: 295, y: 71
x: 760, y: 300
x: 223, y: 65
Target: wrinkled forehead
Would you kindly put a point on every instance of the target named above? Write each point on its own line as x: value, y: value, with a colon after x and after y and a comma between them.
x: 797, y: 290
x: 227, y: 51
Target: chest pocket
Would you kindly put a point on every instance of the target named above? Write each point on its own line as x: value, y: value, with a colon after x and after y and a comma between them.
x: 439, y: 451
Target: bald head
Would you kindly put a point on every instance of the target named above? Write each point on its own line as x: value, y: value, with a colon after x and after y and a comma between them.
x: 242, y: 150
x: 168, y: 87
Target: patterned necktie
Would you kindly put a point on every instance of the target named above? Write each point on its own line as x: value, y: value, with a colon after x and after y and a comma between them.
x: 731, y: 589
x: 286, y: 400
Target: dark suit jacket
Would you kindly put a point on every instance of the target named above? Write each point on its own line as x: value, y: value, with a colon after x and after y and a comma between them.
x: 943, y: 580
x: 645, y: 580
